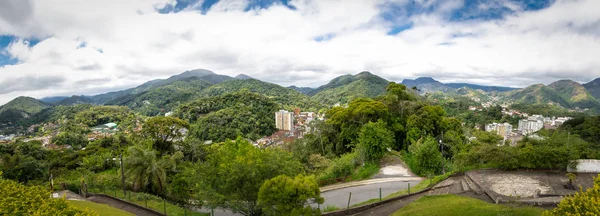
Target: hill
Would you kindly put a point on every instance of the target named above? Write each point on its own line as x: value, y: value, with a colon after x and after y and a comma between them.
x: 566, y: 93
x: 426, y: 84
x: 593, y: 88
x: 575, y: 94
x: 203, y: 74
x: 159, y: 100
x: 287, y: 98
x: 480, y: 87
x: 243, y: 76
x: 345, y: 88
x: 303, y: 90
x: 19, y: 109
x: 52, y: 100
x: 75, y: 99
x: 230, y: 115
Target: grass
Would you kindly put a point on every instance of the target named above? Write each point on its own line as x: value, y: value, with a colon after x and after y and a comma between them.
x: 365, y: 172
x: 459, y: 205
x: 330, y: 208
x: 101, y: 209
x: 153, y: 202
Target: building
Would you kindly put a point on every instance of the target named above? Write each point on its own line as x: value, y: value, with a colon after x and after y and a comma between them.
x: 531, y: 125
x: 503, y: 129
x: 284, y: 120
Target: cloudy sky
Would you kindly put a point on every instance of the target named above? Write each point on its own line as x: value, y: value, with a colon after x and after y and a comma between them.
x: 67, y: 47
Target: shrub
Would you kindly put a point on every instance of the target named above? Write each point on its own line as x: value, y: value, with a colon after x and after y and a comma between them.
x: 283, y: 195
x: 17, y: 199
x: 582, y: 203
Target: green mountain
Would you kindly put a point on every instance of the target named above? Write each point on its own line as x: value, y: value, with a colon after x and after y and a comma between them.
x: 426, y: 84
x: 286, y: 97
x: 566, y: 93
x: 163, y: 99
x: 75, y: 99
x: 345, y: 88
x: 205, y: 75
x: 593, y: 88
x: 575, y: 94
x: 19, y: 109
x: 303, y: 90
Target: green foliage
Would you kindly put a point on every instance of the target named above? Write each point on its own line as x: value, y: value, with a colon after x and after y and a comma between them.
x: 228, y: 116
x: 75, y: 140
x: 17, y: 199
x: 99, y: 115
x: 164, y: 131
x: 426, y: 157
x: 284, y: 97
x: 234, y: 172
x: 348, y: 88
x: 374, y: 140
x: 341, y: 167
x: 347, y: 122
x: 366, y: 171
x: 553, y: 152
x: 283, y: 195
x: 582, y: 203
x: 143, y: 169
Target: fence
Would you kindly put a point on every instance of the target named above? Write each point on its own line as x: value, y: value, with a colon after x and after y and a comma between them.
x: 142, y: 199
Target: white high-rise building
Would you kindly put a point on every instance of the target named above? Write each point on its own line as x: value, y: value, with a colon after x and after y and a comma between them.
x: 284, y: 120
x: 531, y: 125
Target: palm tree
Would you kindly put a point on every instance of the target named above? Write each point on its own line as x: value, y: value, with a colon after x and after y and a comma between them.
x: 144, y: 170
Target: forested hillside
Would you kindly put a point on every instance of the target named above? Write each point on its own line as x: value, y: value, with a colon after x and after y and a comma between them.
x: 347, y: 88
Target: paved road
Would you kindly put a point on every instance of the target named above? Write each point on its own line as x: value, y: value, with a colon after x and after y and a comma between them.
x: 339, y: 198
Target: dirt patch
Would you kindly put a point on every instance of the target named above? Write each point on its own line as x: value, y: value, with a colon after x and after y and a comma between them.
x: 392, y: 166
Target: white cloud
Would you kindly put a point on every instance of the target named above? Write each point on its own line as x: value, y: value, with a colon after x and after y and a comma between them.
x: 277, y: 44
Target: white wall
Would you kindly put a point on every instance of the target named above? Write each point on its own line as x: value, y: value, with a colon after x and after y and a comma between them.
x: 587, y: 166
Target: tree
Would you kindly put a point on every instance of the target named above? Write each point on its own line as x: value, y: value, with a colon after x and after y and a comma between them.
x: 374, y: 140
x: 284, y: 195
x: 427, y: 157
x: 17, y: 199
x: 582, y: 203
x: 75, y: 140
x: 234, y: 171
x: 143, y: 169
x: 164, y: 131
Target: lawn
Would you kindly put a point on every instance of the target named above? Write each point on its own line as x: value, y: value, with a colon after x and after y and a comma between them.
x: 101, y: 209
x: 459, y: 205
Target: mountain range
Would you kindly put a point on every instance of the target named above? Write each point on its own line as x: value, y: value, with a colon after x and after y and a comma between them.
x: 159, y: 96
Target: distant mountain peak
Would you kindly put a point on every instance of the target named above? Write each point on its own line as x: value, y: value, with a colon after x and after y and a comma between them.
x: 243, y: 76
x: 196, y: 72
x: 425, y: 80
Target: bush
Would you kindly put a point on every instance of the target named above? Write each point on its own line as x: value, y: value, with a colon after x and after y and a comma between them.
x: 341, y: 167
x: 582, y: 203
x: 283, y: 195
x: 425, y: 158
x: 17, y: 199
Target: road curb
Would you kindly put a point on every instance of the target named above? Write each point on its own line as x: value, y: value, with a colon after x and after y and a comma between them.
x: 368, y: 182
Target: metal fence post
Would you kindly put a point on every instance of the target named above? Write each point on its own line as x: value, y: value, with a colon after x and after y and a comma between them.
x: 349, y: 197
x: 146, y: 200
x: 165, y: 206
x: 379, y: 194
x: 408, y: 188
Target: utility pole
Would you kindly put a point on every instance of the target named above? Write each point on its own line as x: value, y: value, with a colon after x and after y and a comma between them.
x: 123, y: 176
x: 442, y: 146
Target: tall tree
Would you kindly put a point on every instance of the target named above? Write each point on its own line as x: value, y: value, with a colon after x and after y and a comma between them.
x: 142, y: 168
x: 374, y: 140
x: 164, y: 131
x: 234, y: 171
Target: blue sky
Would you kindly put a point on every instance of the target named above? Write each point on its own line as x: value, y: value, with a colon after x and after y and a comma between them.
x: 89, y: 47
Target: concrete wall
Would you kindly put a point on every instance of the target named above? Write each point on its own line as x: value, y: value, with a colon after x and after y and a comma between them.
x: 586, y: 166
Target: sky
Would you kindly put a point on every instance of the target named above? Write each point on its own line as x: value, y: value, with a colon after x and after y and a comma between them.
x: 74, y: 47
